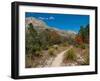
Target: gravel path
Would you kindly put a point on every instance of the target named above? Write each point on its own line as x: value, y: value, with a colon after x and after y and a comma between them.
x: 59, y: 58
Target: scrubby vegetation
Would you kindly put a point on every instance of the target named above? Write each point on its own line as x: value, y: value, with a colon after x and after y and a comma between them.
x: 70, y: 55
x: 36, y: 41
x: 86, y: 57
x: 83, y: 35
x: 51, y: 52
x: 44, y: 43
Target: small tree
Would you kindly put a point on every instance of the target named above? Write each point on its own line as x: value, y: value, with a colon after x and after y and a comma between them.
x: 79, y: 39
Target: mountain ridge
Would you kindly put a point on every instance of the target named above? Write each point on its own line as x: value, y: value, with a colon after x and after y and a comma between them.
x: 40, y: 25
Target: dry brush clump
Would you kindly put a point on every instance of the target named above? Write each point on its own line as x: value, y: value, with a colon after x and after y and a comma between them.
x: 51, y: 52
x: 70, y: 55
x: 38, y: 54
x: 86, y: 57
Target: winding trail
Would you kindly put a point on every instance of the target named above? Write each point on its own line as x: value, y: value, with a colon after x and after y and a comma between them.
x: 59, y: 58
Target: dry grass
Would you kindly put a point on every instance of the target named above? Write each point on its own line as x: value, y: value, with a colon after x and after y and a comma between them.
x: 70, y: 55
x: 86, y: 57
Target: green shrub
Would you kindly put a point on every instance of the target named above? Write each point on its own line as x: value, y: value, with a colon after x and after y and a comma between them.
x: 83, y: 46
x: 38, y: 54
x: 65, y: 44
x: 70, y: 55
x: 77, y: 45
x: 51, y: 52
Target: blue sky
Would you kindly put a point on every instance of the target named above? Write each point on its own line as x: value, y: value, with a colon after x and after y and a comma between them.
x: 62, y: 21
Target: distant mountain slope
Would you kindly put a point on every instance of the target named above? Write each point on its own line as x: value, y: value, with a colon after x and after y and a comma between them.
x: 40, y: 26
x: 35, y: 22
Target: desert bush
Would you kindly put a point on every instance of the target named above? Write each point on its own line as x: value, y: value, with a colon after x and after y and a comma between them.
x: 51, y: 52
x: 76, y: 45
x: 86, y: 57
x: 70, y: 55
x: 65, y: 44
x: 83, y: 46
x: 38, y: 54
x: 86, y: 61
x: 55, y: 47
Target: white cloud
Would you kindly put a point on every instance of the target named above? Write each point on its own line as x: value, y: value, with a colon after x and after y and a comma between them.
x: 41, y: 18
x: 46, y: 18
